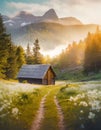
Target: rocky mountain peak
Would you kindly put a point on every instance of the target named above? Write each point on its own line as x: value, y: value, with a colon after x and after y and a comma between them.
x: 50, y: 14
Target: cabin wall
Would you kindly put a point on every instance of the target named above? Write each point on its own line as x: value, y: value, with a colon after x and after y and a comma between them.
x: 30, y: 80
x: 49, y: 77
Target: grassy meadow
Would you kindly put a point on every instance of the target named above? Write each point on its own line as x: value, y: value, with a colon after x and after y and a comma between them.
x: 80, y: 103
x: 18, y: 105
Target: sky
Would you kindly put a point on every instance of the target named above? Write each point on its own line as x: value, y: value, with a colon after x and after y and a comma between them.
x: 87, y: 11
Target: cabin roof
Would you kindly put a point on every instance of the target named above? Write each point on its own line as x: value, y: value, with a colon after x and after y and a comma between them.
x: 34, y: 71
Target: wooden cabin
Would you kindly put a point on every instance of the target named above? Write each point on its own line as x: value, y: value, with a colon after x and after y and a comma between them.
x: 37, y: 74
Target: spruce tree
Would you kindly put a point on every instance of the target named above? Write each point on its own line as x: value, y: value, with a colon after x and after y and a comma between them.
x: 11, y: 66
x: 4, y: 46
x: 20, y: 57
x: 2, y: 28
x: 92, y: 61
x: 36, y: 53
x: 11, y: 57
x: 29, y: 56
x: 28, y: 51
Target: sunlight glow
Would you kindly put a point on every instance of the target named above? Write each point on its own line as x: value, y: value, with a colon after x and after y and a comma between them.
x: 54, y: 52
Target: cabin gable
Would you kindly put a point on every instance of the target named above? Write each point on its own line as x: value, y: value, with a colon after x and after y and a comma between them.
x: 37, y: 74
x: 49, y: 77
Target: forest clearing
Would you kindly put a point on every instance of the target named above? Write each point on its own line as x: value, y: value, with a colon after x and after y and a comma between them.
x: 64, y: 106
x: 62, y: 54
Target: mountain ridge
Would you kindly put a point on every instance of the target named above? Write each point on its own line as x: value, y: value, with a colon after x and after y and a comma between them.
x: 50, y: 35
x: 48, y: 28
x: 23, y: 18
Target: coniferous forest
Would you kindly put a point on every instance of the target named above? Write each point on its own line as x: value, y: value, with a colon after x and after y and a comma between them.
x: 85, y: 54
x: 11, y: 57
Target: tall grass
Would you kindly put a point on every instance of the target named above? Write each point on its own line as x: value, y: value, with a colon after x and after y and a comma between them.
x: 81, y: 106
x: 18, y: 105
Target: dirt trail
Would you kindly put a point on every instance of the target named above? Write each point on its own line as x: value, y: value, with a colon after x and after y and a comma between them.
x: 60, y: 114
x: 40, y: 115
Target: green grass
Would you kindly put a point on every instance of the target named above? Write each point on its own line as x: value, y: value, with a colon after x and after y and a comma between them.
x: 26, y: 102
x: 70, y: 96
x: 77, y: 105
x: 50, y: 121
x: 77, y: 76
x: 96, y: 76
x: 29, y: 109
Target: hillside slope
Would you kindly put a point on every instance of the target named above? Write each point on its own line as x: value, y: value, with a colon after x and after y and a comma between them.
x: 49, y: 34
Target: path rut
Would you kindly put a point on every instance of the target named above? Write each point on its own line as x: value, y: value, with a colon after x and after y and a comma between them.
x: 40, y: 115
x: 60, y: 115
x: 37, y: 123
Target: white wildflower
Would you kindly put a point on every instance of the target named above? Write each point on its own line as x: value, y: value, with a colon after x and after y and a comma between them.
x: 15, y: 111
x: 95, y: 105
x: 81, y: 111
x: 80, y: 96
x: 83, y: 103
x: 71, y: 99
x: 91, y: 115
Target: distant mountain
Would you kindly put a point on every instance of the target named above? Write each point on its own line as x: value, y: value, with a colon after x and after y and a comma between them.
x: 21, y: 19
x: 50, y: 15
x: 49, y: 29
x: 24, y: 18
x: 70, y: 21
x: 50, y: 35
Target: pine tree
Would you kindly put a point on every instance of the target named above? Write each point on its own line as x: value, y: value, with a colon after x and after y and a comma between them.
x: 20, y: 57
x: 92, y: 62
x: 36, y: 53
x: 11, y: 68
x: 2, y: 28
x: 11, y: 57
x: 29, y: 56
x: 5, y: 43
x: 28, y: 51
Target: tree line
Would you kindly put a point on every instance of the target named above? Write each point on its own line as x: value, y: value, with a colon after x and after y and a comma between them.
x: 85, y: 53
x: 11, y: 57
x: 34, y: 56
x: 92, y: 60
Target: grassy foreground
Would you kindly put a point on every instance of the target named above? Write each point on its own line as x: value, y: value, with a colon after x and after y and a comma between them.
x: 19, y: 104
x: 80, y: 103
x: 50, y: 121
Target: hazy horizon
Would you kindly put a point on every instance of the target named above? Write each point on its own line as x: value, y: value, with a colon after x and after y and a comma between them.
x: 86, y: 11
